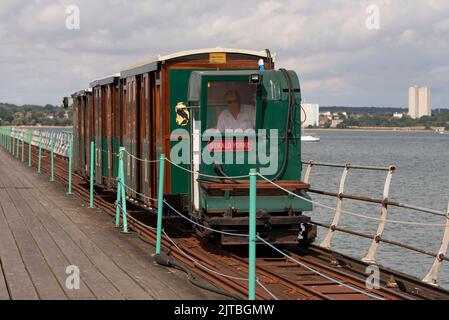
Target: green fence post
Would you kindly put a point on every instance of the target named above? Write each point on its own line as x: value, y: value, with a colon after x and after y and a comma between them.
x: 252, y: 235
x: 92, y: 171
x: 119, y: 187
x: 30, y: 141
x: 40, y: 153
x: 13, y: 144
x: 52, y: 152
x: 17, y: 145
x: 123, y: 195
x: 70, y: 163
x: 23, y: 145
x: 11, y: 140
x: 160, y: 203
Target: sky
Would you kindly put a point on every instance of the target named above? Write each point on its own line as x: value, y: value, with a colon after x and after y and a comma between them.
x: 341, y: 54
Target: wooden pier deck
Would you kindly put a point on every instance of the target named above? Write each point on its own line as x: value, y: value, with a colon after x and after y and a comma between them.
x: 43, y: 231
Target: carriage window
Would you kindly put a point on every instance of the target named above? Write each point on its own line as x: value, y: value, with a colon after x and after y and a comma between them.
x: 231, y: 105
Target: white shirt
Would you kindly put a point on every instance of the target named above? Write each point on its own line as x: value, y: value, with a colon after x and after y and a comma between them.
x: 246, y: 120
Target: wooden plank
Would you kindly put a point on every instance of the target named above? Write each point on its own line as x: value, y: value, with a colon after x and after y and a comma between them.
x: 94, y: 252
x: 125, y: 284
x: 112, y: 263
x: 50, y: 250
x: 41, y: 274
x: 95, y: 232
x: 4, y: 293
x: 134, y: 259
x: 101, y: 287
x: 14, y: 271
x: 53, y: 252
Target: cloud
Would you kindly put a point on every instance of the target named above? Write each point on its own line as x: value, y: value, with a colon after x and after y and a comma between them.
x: 338, y: 59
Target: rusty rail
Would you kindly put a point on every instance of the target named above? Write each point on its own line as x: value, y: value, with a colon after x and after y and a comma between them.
x: 370, y: 256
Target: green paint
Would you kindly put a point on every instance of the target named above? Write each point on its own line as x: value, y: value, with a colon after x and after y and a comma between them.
x: 92, y: 172
x: 160, y: 203
x: 52, y: 154
x: 105, y: 159
x: 119, y: 188
x: 70, y: 163
x: 252, y: 235
x: 17, y: 144
x: 23, y: 145
x: 179, y: 85
x: 115, y: 159
x: 13, y: 144
x: 121, y: 195
x: 30, y: 141
x: 40, y: 153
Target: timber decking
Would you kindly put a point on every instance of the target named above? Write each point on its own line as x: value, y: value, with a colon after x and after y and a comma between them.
x: 43, y: 231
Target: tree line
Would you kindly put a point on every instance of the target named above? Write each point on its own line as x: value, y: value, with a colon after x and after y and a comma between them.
x: 34, y: 115
x: 387, y: 120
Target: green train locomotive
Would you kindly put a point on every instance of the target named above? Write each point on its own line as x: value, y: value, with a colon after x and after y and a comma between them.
x: 215, y: 114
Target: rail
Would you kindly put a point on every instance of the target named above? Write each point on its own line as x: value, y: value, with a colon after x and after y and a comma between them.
x: 40, y: 136
x: 14, y: 139
x: 370, y: 257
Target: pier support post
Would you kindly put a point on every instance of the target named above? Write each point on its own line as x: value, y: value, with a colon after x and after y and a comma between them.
x: 370, y: 256
x: 52, y: 152
x: 326, y: 243
x: 70, y: 163
x: 23, y: 145
x: 40, y: 153
x: 92, y: 173
x: 432, y: 276
x: 13, y: 143
x: 121, y: 194
x: 160, y: 203
x: 17, y: 143
x: 10, y: 141
x: 119, y: 188
x: 30, y: 142
x: 252, y: 235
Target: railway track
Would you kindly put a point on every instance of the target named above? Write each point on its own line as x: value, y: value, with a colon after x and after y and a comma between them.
x: 280, y: 277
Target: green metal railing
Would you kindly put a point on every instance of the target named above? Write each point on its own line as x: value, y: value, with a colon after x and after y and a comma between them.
x: 14, y: 141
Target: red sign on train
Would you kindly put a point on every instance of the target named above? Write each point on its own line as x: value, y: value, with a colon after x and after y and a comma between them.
x: 230, y: 146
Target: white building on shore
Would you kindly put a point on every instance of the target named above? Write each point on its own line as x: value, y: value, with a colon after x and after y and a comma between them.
x: 419, y: 102
x: 310, y: 115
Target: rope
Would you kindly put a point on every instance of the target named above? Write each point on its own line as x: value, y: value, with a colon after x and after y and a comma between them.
x: 355, y: 214
x: 202, y: 226
x: 138, y: 159
x: 206, y: 175
x: 108, y: 152
x: 321, y: 274
x: 201, y: 265
x: 138, y: 193
x: 268, y: 291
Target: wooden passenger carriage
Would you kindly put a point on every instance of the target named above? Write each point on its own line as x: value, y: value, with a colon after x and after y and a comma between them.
x: 136, y: 109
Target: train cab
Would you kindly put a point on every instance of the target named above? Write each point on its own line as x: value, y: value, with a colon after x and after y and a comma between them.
x: 242, y: 120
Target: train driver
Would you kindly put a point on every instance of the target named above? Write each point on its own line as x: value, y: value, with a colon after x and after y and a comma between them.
x: 236, y: 116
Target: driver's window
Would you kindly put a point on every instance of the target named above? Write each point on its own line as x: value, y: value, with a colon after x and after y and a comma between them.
x: 231, y: 105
